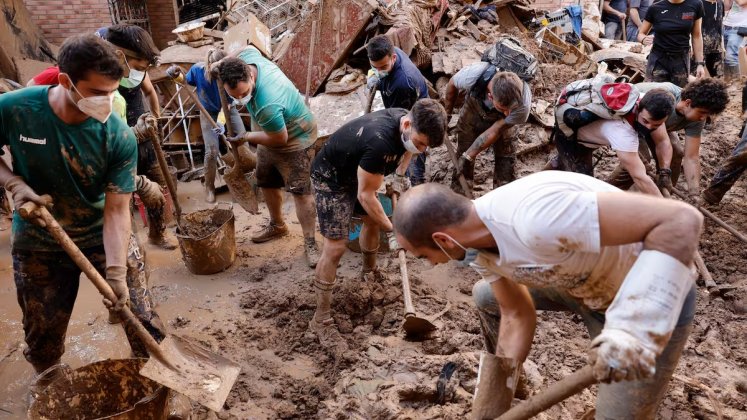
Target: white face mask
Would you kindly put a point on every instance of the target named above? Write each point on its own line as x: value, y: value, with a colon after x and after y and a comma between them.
x: 410, y: 146
x: 243, y: 101
x: 134, y: 79
x: 380, y: 73
x: 97, y: 107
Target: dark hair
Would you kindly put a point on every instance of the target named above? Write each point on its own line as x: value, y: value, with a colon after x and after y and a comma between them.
x: 81, y: 54
x: 232, y: 71
x: 379, y: 47
x: 135, y: 39
x: 709, y: 94
x: 429, y: 118
x: 658, y: 102
x: 436, y: 203
x: 507, y: 88
x: 213, y: 56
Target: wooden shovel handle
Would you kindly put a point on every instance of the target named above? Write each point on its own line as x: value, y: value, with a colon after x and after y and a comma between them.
x: 30, y: 211
x: 409, y: 309
x: 555, y: 393
x: 371, y: 96
x: 155, y: 139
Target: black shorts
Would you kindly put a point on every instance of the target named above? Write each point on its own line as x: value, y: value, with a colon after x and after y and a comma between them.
x: 291, y: 170
x: 335, y: 208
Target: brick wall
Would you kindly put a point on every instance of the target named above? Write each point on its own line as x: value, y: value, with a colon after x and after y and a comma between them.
x: 61, y: 19
x: 162, y: 21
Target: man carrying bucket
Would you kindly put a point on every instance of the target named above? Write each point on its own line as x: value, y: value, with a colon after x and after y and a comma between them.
x: 346, y: 174
x: 65, y: 144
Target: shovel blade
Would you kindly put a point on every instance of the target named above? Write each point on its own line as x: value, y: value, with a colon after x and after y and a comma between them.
x: 415, y: 325
x: 200, y: 374
x: 241, y: 190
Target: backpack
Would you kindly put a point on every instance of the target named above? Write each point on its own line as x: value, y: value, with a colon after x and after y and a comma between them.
x: 601, y: 95
x: 508, y: 55
x: 505, y: 55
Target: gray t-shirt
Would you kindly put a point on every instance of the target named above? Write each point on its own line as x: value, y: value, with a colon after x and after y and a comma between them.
x: 468, y: 76
x: 642, y: 6
x: 676, y: 121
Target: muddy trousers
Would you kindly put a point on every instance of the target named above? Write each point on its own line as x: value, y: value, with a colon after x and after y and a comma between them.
x: 473, y: 121
x: 728, y: 173
x: 572, y: 156
x: 620, y: 178
x: 665, y: 66
x: 47, y: 286
x: 147, y: 164
x: 628, y: 400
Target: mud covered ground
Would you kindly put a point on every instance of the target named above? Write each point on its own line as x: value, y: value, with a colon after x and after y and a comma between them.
x: 256, y: 313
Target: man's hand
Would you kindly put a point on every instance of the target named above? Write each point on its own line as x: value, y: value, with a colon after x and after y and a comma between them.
x: 394, y: 245
x: 616, y: 355
x: 700, y: 71
x: 664, y: 179
x: 400, y: 184
x: 647, y: 40
x: 174, y: 72
x: 145, y: 123
x: 116, y: 276
x: 21, y: 193
x: 238, y: 140
x: 463, y: 163
x: 622, y: 16
x: 150, y: 192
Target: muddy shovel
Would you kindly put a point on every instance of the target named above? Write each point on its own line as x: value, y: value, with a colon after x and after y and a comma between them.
x: 185, y: 367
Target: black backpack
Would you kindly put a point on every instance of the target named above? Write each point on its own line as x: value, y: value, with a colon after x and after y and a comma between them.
x: 506, y: 55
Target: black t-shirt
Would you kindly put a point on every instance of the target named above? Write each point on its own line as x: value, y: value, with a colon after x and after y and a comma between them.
x: 372, y: 142
x: 673, y: 24
x: 713, y: 25
x: 135, y: 105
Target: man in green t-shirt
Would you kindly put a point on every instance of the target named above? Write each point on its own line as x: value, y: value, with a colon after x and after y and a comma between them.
x: 284, y: 131
x: 65, y: 143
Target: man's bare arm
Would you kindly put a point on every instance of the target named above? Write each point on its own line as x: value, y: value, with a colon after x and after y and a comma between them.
x: 691, y: 164
x: 368, y: 184
x: 116, y: 228
x: 637, y: 170
x: 150, y: 93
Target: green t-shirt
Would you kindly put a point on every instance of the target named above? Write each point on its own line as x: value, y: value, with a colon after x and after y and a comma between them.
x: 75, y: 164
x: 276, y: 103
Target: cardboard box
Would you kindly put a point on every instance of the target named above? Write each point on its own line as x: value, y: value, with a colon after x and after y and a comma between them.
x: 249, y: 31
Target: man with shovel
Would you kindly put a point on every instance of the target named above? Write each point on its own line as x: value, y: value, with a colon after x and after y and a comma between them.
x: 566, y: 241
x: 284, y: 132
x: 64, y: 144
x: 347, y: 173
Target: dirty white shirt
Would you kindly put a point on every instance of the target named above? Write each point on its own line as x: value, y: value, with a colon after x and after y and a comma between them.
x: 617, y: 134
x: 546, y: 226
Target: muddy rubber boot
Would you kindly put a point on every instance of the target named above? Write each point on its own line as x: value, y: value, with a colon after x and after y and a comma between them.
x: 179, y: 406
x: 270, y: 232
x: 322, y: 324
x: 210, y: 169
x: 311, y: 252
x: 46, y: 378
x: 370, y: 272
x: 157, y: 233
x: 497, y: 378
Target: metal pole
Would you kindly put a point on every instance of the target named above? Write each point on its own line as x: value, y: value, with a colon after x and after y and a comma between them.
x: 186, y: 128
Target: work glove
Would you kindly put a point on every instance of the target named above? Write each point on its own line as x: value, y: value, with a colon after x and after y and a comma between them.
x: 219, y: 130
x: 616, y: 355
x: 174, y: 72
x: 116, y: 277
x: 21, y: 194
x: 145, y: 123
x: 150, y: 192
x: 394, y: 245
x: 463, y: 164
x: 664, y: 179
x: 371, y: 82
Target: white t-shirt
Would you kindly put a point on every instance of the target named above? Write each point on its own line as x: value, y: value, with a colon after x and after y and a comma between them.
x: 546, y: 226
x: 737, y: 16
x: 617, y: 134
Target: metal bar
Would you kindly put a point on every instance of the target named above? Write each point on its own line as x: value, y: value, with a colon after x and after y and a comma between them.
x: 186, y: 130
x: 177, y: 124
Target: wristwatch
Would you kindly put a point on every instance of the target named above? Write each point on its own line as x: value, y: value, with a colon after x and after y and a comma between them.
x: 700, y: 63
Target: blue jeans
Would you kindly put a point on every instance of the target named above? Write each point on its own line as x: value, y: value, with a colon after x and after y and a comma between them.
x: 620, y: 400
x: 416, y: 170
x: 732, y: 41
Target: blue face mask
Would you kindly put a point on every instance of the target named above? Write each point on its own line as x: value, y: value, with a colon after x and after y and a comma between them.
x: 470, y: 254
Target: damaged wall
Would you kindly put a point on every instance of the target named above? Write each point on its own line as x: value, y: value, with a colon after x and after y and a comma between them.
x: 19, y: 38
x: 551, y: 5
x: 59, y: 20
x: 162, y: 16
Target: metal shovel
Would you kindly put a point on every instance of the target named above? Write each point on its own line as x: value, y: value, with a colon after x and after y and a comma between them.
x: 185, y: 367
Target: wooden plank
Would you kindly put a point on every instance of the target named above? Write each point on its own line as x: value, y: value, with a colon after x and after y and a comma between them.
x: 214, y: 33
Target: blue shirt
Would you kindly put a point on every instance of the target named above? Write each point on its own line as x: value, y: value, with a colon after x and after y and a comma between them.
x: 207, y: 92
x: 404, y: 84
